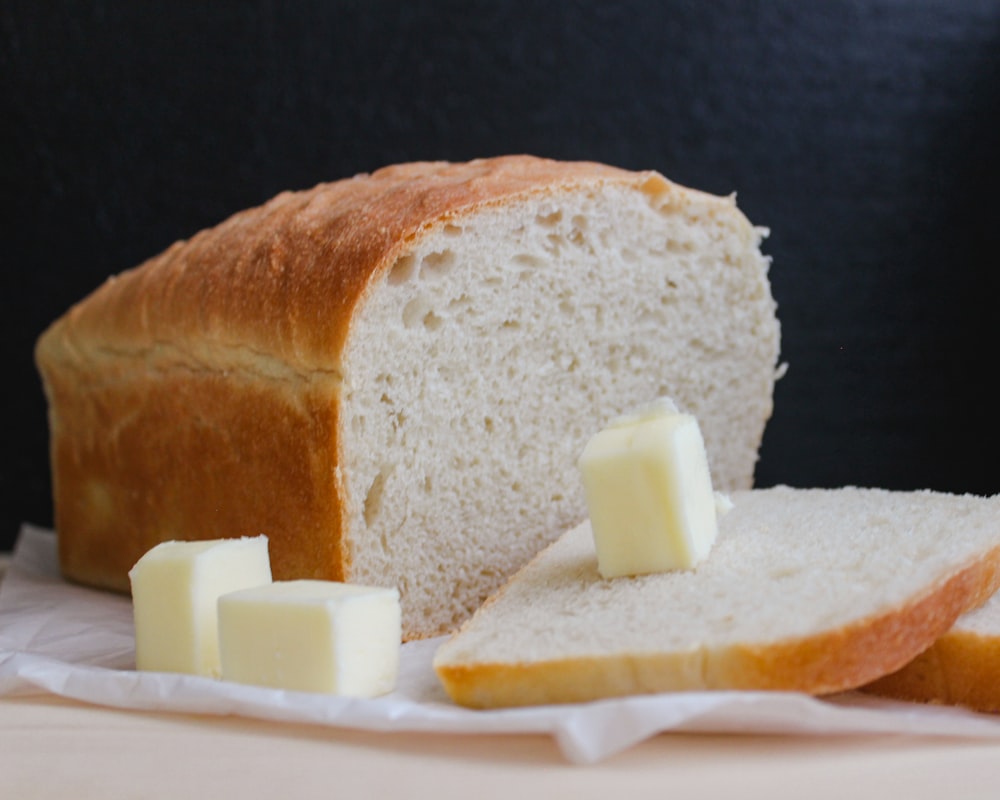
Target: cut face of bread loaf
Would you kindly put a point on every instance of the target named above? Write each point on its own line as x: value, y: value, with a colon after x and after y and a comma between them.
x: 392, y: 376
x: 809, y: 590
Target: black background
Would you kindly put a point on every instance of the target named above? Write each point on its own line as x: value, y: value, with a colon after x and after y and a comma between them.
x: 864, y: 133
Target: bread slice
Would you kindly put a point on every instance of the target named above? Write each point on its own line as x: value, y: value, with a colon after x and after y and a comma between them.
x: 391, y: 376
x: 808, y: 590
x: 961, y: 668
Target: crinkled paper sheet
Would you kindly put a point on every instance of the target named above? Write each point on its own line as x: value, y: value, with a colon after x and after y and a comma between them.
x: 78, y: 643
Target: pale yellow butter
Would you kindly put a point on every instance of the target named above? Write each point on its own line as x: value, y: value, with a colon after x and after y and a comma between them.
x: 313, y: 636
x: 175, y: 589
x: 649, y: 493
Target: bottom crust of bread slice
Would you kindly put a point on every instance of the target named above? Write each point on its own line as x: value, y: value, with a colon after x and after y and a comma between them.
x: 807, y: 590
x: 962, y: 668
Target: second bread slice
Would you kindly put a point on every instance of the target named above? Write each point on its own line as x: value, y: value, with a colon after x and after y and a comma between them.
x: 811, y: 590
x: 961, y: 668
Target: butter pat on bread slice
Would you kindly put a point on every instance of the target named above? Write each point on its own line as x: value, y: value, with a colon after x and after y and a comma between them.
x: 649, y: 492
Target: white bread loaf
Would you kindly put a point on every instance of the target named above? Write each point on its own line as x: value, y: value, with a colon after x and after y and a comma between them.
x: 961, y: 668
x: 809, y: 590
x: 392, y: 376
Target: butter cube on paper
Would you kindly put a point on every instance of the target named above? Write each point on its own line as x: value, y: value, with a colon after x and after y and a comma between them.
x: 175, y: 590
x: 313, y: 636
x: 649, y: 492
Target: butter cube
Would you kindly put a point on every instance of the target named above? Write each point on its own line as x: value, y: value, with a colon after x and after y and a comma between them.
x: 649, y: 493
x: 312, y: 636
x: 175, y: 590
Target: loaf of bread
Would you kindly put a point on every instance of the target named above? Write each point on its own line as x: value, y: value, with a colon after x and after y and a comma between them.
x: 391, y: 376
x: 961, y: 668
x: 807, y: 590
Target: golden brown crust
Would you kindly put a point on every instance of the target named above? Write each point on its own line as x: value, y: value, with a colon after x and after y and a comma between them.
x: 961, y: 668
x: 826, y: 663
x: 196, y: 447
x: 238, y: 336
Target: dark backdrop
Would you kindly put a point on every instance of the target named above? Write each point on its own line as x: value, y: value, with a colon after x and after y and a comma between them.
x: 864, y: 133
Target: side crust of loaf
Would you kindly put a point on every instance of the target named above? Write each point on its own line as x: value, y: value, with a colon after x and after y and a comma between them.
x: 215, y: 468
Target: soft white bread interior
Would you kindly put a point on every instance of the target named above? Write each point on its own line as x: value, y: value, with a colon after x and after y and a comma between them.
x: 392, y: 376
x: 811, y: 590
x: 961, y: 668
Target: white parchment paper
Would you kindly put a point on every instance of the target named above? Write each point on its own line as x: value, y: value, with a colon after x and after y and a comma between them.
x: 67, y: 640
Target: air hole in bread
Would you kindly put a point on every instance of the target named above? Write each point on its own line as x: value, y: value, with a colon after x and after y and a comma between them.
x: 415, y: 312
x: 402, y: 271
x: 549, y: 219
x: 579, y: 234
x: 452, y: 230
x: 432, y: 321
x: 785, y: 573
x: 526, y: 260
x: 373, y: 498
x: 436, y: 265
x: 677, y: 246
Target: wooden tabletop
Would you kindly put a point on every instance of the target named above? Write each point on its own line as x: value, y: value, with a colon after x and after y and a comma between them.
x: 54, y: 748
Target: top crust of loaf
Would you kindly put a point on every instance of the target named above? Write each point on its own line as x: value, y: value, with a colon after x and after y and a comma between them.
x: 302, y: 261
